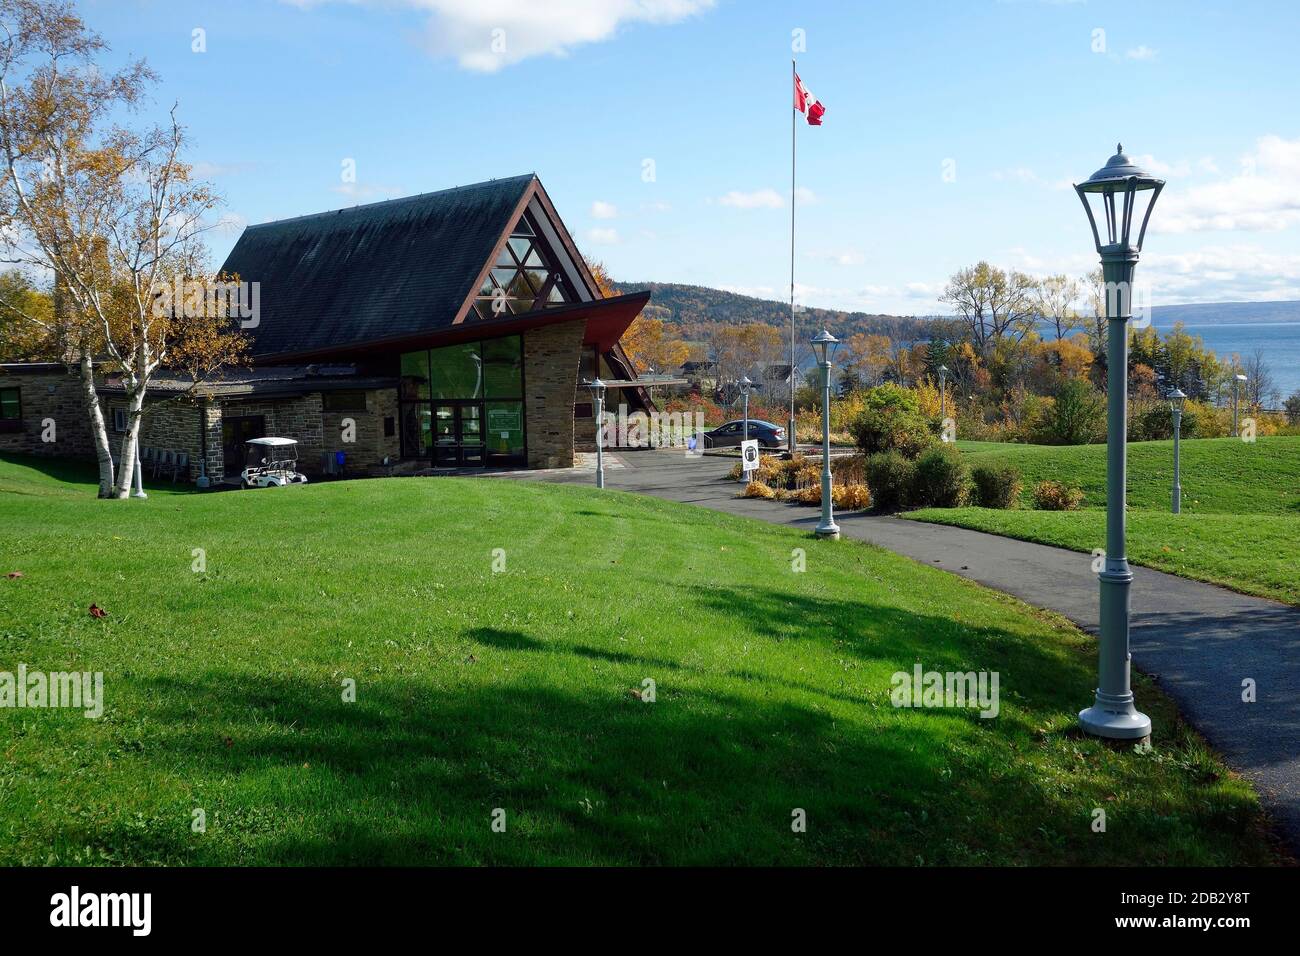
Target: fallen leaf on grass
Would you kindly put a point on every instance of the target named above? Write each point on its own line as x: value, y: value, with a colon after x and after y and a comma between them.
x: 14, y: 574
x: 97, y: 611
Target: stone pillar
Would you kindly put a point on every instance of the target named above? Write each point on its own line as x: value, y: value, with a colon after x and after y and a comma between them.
x: 550, y: 373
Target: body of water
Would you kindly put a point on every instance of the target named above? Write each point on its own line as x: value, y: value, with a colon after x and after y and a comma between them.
x: 1280, y: 343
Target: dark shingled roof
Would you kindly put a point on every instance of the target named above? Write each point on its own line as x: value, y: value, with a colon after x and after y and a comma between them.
x: 377, y: 271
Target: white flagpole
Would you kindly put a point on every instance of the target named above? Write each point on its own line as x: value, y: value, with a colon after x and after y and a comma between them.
x: 792, y: 442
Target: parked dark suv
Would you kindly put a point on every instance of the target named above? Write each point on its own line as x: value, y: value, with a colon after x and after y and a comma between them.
x: 733, y: 433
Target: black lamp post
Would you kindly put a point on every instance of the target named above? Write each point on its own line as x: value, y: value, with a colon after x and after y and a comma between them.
x: 1116, y: 195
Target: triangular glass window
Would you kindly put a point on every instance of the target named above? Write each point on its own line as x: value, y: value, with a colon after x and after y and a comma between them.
x: 524, y: 272
x: 521, y: 247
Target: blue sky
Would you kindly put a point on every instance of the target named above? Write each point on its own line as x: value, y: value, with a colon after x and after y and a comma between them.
x: 1013, y: 99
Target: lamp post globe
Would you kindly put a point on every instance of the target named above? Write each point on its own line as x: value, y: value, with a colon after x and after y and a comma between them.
x: 1176, y: 401
x: 824, y: 345
x: 1118, y: 199
x: 598, y: 396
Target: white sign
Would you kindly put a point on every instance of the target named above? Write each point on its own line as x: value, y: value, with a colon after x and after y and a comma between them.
x: 749, y: 454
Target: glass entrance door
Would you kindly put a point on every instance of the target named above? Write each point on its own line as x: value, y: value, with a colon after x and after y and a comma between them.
x: 445, y: 450
x: 470, y: 433
x: 458, y: 434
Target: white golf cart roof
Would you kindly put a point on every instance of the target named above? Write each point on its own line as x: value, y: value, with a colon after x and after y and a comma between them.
x: 275, y: 442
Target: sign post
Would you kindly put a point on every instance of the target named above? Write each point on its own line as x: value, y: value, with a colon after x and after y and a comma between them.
x: 749, y: 458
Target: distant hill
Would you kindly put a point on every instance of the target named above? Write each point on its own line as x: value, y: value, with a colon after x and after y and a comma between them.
x: 1226, y: 313
x: 694, y: 309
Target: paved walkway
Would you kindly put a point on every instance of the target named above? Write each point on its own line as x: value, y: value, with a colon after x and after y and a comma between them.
x: 1199, y: 641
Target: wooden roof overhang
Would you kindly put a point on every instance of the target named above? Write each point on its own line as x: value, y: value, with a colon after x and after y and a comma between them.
x: 607, y: 320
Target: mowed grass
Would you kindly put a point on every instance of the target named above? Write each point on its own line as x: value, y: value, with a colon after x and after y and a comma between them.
x: 1219, y: 475
x: 1240, y: 521
x: 478, y: 691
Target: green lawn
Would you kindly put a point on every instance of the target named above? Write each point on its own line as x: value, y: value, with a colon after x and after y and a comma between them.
x: 1219, y: 475
x: 479, y: 690
x: 1240, y: 525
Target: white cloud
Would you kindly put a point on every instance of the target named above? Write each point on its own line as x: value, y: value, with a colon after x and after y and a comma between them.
x: 603, y: 210
x: 603, y: 237
x: 758, y: 199
x: 487, y: 35
x: 805, y: 196
x: 1238, y: 272
x: 657, y: 206
x: 1142, y: 52
x: 1264, y: 197
x: 1158, y: 168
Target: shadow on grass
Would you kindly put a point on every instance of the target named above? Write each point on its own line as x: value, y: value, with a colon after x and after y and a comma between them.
x: 289, y: 774
x: 711, y: 772
x: 76, y: 472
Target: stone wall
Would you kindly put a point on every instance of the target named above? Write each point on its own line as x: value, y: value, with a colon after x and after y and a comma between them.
x: 52, y: 408
x: 297, y: 417
x: 369, y: 446
x: 550, y: 374
x: 167, y: 425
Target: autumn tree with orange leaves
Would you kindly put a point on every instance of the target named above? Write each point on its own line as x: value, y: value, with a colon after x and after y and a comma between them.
x: 110, y: 214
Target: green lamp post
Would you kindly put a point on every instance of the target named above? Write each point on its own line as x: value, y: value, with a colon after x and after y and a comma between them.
x: 1119, y: 195
x: 598, y: 394
x: 824, y: 345
x: 1177, y: 398
x: 943, y: 394
x: 1238, y: 381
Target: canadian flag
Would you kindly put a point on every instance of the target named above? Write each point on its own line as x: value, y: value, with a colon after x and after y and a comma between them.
x: 806, y: 103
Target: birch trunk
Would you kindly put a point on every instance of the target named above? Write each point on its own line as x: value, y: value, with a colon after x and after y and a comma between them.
x: 98, y: 432
x: 130, y: 443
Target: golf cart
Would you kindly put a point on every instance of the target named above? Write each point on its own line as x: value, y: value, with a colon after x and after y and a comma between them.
x: 278, y: 464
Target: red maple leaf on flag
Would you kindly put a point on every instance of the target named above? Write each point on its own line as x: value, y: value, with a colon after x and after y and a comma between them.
x: 806, y: 103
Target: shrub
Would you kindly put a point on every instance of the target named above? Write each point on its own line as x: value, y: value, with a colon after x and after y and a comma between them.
x: 808, y: 473
x: 1292, y: 408
x: 889, y: 476
x: 994, y: 486
x: 1154, y: 421
x: 756, y: 489
x: 1076, y: 417
x: 892, y: 420
x: 941, y: 479
x: 1056, y: 496
x: 849, y: 469
x: 807, y: 495
x: 1206, y: 421
x: 769, y: 470
x: 853, y: 497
